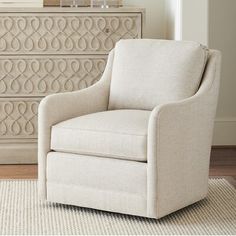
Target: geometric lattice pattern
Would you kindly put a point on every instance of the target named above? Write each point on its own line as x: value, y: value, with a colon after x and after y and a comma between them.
x: 45, y: 52
x: 65, y: 33
x: 40, y: 76
x: 18, y: 118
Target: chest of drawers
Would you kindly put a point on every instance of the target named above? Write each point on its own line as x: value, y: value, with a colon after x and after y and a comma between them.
x: 51, y: 50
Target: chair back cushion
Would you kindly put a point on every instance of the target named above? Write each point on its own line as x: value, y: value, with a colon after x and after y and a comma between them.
x: 147, y: 73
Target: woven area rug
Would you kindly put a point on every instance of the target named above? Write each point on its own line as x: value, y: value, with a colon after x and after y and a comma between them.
x: 22, y: 213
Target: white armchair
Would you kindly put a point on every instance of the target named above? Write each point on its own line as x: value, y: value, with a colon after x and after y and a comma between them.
x: 138, y: 141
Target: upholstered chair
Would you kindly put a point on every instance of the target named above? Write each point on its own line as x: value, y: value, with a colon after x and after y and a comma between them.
x: 138, y: 141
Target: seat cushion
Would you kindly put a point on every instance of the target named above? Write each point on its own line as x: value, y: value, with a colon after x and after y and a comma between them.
x: 147, y: 73
x: 118, y: 134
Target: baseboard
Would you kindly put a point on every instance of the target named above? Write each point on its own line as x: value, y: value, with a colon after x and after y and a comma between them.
x: 225, y: 131
x: 22, y: 153
x: 223, y: 156
x: 27, y: 154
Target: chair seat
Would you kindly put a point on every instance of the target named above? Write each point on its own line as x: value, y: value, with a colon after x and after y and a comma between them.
x: 115, y: 134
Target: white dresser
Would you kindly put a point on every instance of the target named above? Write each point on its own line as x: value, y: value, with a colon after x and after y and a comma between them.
x: 51, y: 50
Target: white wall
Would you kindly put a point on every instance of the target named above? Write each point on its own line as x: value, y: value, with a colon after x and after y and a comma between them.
x: 195, y: 20
x: 222, y: 36
x: 173, y: 19
x: 211, y: 22
x: 187, y: 20
x: 155, y: 16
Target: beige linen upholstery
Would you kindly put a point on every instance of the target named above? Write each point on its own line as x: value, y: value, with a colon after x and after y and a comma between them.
x: 175, y: 73
x: 179, y: 135
x: 179, y: 145
x: 59, y: 107
x: 101, y: 183
x: 120, y: 134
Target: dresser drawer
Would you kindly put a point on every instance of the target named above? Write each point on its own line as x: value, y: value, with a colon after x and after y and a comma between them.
x: 18, y: 118
x: 42, y: 75
x: 66, y: 33
x: 49, y: 50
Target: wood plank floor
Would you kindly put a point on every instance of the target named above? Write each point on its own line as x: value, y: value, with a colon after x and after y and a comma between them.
x: 30, y: 172
x: 18, y: 171
x: 223, y: 164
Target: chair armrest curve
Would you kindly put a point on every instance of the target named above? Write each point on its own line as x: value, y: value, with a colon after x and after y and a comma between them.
x: 62, y: 106
x: 179, y: 144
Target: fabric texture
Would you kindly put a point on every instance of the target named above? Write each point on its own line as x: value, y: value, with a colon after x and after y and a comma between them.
x: 148, y: 72
x: 179, y: 145
x: 179, y: 133
x: 63, y: 106
x: 118, y: 134
x: 23, y: 213
x: 101, y: 183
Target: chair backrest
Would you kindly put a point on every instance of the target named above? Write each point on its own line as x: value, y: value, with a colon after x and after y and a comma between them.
x: 148, y: 72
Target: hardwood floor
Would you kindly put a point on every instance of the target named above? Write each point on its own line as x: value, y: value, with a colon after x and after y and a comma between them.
x: 223, y: 164
x: 18, y: 171
x: 30, y: 171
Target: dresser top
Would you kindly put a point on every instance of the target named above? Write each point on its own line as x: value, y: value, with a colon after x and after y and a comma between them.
x: 124, y: 9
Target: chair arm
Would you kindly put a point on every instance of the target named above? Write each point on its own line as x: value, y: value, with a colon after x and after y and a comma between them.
x: 59, y: 107
x: 179, y: 144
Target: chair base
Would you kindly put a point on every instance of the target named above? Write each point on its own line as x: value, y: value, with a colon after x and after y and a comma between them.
x: 95, y: 182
